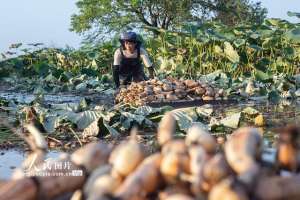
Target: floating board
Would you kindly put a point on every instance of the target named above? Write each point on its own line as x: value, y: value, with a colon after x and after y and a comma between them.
x: 190, y: 103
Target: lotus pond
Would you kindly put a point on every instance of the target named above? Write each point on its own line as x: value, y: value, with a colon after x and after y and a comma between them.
x: 218, y: 118
x: 67, y: 94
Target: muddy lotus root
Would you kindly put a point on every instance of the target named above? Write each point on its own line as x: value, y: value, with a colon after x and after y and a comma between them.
x: 166, y: 90
x: 182, y: 168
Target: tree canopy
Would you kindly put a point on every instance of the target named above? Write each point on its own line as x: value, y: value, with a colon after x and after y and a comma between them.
x: 98, y: 17
x: 239, y: 11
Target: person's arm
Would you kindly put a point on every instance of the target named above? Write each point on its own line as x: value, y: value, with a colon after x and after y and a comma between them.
x: 116, y: 68
x: 116, y: 78
x: 147, y: 62
x: 151, y: 72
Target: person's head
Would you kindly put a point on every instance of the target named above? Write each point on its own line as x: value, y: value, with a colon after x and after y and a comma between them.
x: 129, y: 41
x: 130, y: 45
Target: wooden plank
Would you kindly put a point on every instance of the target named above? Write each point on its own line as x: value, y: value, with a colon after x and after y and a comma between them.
x: 190, y: 103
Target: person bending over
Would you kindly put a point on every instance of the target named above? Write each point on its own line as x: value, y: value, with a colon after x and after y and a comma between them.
x: 127, y: 66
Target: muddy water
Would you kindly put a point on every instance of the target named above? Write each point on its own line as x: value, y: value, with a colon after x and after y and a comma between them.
x: 28, y: 98
x: 105, y: 97
x: 9, y: 160
x: 13, y: 158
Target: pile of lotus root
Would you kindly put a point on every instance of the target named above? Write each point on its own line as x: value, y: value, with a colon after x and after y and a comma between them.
x: 166, y: 90
x: 197, y: 167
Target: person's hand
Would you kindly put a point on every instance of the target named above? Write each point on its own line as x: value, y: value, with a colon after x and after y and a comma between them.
x: 117, y: 90
x: 151, y: 72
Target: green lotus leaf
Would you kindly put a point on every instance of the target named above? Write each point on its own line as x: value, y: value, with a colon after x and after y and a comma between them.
x: 230, y: 53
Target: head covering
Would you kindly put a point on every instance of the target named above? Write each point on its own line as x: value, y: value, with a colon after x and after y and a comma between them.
x: 131, y: 37
x: 128, y: 36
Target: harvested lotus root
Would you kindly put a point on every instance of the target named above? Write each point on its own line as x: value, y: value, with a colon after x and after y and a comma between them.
x: 167, y: 90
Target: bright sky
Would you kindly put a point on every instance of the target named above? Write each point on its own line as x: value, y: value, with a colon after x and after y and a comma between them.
x: 48, y: 21
x: 30, y: 21
x: 279, y: 8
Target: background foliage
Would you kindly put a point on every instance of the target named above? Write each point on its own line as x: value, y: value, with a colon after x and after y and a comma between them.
x: 98, y: 17
x: 271, y: 47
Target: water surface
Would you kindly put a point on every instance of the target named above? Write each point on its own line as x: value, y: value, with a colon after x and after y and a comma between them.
x: 13, y: 158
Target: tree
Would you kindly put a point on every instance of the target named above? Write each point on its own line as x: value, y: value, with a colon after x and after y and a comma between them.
x: 241, y: 11
x: 102, y: 16
x: 98, y: 17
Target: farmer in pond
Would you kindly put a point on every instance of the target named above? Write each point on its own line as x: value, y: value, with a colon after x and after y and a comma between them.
x: 127, y: 64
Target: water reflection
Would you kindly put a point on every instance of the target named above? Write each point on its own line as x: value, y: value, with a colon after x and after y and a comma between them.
x: 13, y: 158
